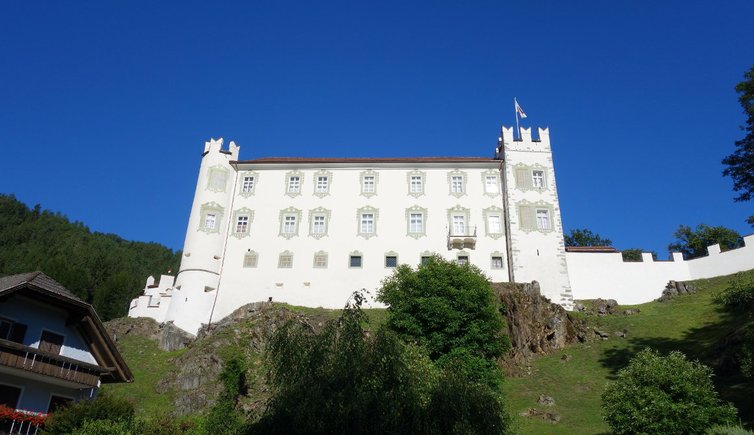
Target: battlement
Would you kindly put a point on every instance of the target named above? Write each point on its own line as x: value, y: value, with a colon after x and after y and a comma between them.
x: 507, y: 140
x: 216, y: 146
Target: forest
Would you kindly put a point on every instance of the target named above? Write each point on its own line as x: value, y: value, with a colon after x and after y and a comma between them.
x: 102, y: 269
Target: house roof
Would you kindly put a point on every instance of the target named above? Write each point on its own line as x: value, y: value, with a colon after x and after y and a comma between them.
x: 273, y: 160
x: 46, y: 289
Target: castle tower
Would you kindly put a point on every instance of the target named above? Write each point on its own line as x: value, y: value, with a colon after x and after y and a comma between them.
x: 198, y: 279
x: 536, y: 249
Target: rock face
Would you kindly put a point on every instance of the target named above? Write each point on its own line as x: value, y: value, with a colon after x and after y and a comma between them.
x: 167, y: 335
x: 675, y: 288
x: 535, y: 325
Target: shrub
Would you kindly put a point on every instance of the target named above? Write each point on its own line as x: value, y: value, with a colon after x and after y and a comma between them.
x: 728, y: 430
x: 664, y: 394
x: 738, y: 296
x: 72, y: 418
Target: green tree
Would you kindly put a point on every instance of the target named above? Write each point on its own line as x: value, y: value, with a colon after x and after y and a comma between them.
x: 224, y: 417
x: 585, y: 237
x: 659, y: 394
x: 449, y: 309
x: 740, y: 164
x: 634, y: 254
x: 694, y: 243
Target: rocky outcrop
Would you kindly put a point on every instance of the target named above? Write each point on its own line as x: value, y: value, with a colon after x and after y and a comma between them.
x: 535, y: 325
x: 168, y: 336
x: 675, y: 288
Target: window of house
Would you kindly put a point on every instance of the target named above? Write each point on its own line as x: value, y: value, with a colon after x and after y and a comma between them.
x: 12, y: 331
x: 9, y: 396
x: 463, y: 259
x: 319, y: 225
x: 491, y: 184
x: 242, y: 224
x: 459, y: 225
x: 497, y: 262
x: 50, y: 342
x: 354, y: 261
x: 538, y: 178
x: 425, y: 259
x: 367, y: 184
x: 248, y: 184
x: 294, y: 184
x: 250, y: 259
x: 319, y: 221
x: 367, y: 223
x: 285, y: 260
x: 416, y: 223
x: 543, y: 219
x: 323, y: 183
x: 289, y: 224
x: 210, y: 221
x: 218, y: 177
x: 5, y: 327
x: 417, y: 184
x: 58, y: 402
x: 391, y: 261
x: 320, y: 260
x: 494, y: 224
x: 456, y: 184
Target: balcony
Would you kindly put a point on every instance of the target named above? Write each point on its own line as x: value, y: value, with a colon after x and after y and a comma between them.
x: 462, y: 237
x: 31, y: 360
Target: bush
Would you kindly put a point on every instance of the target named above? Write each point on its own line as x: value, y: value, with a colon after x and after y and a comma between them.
x: 72, y: 418
x: 738, y: 296
x: 664, y: 395
x: 728, y: 430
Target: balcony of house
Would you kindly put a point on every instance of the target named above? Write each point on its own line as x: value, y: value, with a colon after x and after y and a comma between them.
x: 462, y: 237
x: 30, y: 362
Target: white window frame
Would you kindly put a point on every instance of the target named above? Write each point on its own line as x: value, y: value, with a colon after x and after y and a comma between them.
x: 538, y: 178
x: 495, y: 212
x: 352, y: 256
x: 459, y: 211
x: 494, y: 266
x: 528, y: 219
x: 248, y: 188
x: 360, y: 221
x: 294, y: 180
x: 543, y: 218
x: 285, y: 260
x: 320, y: 260
x: 374, y: 176
x: 288, y: 215
x: 210, y: 209
x: 322, y: 182
x: 250, y: 260
x: 237, y: 216
x: 416, y: 189
x: 391, y: 254
x: 411, y: 230
x: 217, y: 178
x: 491, y: 178
x: 314, y: 216
x: 457, y: 183
x: 463, y: 255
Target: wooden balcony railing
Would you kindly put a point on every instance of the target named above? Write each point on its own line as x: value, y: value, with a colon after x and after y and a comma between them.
x: 27, y: 358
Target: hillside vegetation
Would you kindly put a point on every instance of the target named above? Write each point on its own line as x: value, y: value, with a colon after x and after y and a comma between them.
x: 103, y: 269
x: 186, y: 380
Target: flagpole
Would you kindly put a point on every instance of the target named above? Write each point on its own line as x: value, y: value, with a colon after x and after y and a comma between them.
x: 515, y: 109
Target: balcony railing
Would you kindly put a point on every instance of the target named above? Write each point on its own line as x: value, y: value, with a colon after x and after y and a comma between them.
x: 460, y: 237
x: 33, y: 360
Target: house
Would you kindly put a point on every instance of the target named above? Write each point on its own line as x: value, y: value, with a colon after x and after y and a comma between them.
x: 53, y: 346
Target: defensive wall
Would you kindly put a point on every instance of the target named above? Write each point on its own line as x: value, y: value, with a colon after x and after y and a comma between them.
x: 605, y: 275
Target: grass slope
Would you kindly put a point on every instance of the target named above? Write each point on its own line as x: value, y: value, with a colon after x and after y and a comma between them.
x: 691, y: 324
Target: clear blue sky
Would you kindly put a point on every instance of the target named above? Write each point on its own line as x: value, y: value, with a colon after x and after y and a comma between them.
x: 106, y: 105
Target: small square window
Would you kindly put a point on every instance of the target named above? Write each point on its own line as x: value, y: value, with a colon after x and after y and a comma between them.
x: 391, y: 261
x: 497, y: 262
x: 320, y: 261
x: 354, y: 261
x: 425, y: 259
x: 538, y: 178
x: 285, y: 261
x: 250, y: 260
x: 463, y: 259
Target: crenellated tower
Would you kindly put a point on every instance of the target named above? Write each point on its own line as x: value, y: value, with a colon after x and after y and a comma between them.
x: 536, y: 249
x: 198, y: 279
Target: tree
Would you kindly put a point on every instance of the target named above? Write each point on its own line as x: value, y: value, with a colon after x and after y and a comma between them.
x: 634, y: 254
x: 694, y: 243
x: 664, y: 395
x: 585, y: 237
x: 449, y: 309
x: 740, y: 164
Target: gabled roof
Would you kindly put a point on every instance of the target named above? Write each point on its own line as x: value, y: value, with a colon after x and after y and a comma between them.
x: 45, y: 289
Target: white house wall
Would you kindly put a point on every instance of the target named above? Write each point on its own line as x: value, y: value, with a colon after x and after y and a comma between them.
x: 35, y: 395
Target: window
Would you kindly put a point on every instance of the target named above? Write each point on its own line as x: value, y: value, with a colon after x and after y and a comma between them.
x: 319, y: 225
x: 367, y: 185
x: 494, y: 224
x: 425, y: 259
x: 248, y: 184
x: 391, y: 261
x: 459, y: 225
x: 367, y: 221
x: 210, y: 220
x: 538, y: 179
x: 289, y: 222
x: 463, y: 259
x: 50, y: 342
x: 497, y: 261
x: 210, y: 217
x: 242, y: 224
x: 294, y: 184
x: 322, y: 184
x: 285, y: 260
x: 416, y: 223
x: 9, y: 396
x: 58, y: 402
x: 354, y: 261
x: 319, y: 219
x: 250, y: 259
x: 416, y: 183
x: 217, y: 179
x: 13, y: 331
x: 320, y: 260
x: 543, y: 219
x: 5, y: 327
x: 458, y: 222
x: 491, y: 184
x: 456, y: 184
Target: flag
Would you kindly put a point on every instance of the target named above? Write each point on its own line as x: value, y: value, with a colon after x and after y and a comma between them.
x: 519, y: 110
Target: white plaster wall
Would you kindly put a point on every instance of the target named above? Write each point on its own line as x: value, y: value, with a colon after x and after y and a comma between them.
x: 305, y: 285
x: 155, y: 301
x: 38, y: 317
x: 607, y: 276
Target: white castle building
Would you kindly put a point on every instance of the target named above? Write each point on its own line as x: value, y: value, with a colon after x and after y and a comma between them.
x: 310, y: 231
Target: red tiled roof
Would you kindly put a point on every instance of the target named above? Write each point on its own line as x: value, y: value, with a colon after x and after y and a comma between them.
x: 590, y: 249
x: 367, y: 160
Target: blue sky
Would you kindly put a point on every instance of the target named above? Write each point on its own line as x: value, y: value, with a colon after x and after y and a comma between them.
x: 106, y: 105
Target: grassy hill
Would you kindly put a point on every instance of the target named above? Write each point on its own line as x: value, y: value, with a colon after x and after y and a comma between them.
x: 575, y: 377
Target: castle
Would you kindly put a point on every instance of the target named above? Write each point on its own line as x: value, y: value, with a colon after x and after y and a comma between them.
x: 310, y: 231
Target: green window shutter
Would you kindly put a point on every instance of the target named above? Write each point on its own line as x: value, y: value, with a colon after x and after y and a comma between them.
x: 526, y: 217
x: 523, y: 178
